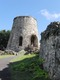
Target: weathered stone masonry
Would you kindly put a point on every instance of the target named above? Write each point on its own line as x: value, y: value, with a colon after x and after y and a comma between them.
x: 50, y: 50
x: 24, y: 32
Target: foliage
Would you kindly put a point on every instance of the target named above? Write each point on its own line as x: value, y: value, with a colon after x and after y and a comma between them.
x: 28, y: 68
x: 4, y: 36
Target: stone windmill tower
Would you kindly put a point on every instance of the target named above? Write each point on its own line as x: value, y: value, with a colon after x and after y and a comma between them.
x: 24, y: 32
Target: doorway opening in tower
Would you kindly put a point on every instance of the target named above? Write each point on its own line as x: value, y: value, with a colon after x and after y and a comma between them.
x: 34, y: 41
x: 20, y: 40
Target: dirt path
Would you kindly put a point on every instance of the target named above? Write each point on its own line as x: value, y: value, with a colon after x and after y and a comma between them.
x: 4, y: 70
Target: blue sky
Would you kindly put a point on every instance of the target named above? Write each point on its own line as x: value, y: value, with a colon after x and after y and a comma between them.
x: 45, y: 11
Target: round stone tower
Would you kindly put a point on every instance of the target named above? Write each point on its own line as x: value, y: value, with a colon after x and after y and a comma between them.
x: 24, y: 32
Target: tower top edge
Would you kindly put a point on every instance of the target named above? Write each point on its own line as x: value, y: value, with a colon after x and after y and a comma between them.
x: 24, y: 17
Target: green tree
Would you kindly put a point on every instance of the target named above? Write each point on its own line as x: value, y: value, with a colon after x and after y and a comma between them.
x: 4, y: 37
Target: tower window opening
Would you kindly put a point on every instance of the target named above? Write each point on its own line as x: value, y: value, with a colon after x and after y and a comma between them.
x: 20, y: 40
x: 34, y: 40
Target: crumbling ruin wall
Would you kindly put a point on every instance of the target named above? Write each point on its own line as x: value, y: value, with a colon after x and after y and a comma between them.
x: 50, y: 50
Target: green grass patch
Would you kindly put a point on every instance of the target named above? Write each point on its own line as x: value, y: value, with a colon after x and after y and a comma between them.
x: 22, y: 57
x: 5, y: 56
x: 28, y: 67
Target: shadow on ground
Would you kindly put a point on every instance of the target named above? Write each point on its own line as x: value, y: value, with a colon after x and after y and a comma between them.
x: 26, y: 69
x: 5, y: 74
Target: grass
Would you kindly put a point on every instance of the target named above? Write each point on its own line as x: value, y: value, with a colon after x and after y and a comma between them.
x: 28, y: 67
x: 5, y: 56
x: 22, y: 57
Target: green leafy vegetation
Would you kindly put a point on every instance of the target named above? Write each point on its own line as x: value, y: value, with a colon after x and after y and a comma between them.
x: 28, y: 67
x: 4, y: 37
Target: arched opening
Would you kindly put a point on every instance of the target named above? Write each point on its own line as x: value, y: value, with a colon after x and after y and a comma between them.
x: 20, y: 40
x: 34, y: 41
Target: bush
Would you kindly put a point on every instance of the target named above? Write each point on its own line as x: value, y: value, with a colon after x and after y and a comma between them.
x: 4, y: 37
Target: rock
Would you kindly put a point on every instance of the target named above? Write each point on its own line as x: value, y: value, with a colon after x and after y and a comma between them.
x: 22, y: 52
x: 1, y: 52
x: 11, y: 52
x: 50, y: 50
x: 31, y: 49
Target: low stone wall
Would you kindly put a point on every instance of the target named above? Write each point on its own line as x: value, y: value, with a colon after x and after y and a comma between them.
x: 1, y: 52
x: 50, y: 50
x: 10, y: 52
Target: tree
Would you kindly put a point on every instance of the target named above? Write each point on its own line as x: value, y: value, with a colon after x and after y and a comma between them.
x: 4, y: 37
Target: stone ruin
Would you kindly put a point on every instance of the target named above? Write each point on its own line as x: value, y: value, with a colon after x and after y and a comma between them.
x: 24, y: 33
x: 50, y: 50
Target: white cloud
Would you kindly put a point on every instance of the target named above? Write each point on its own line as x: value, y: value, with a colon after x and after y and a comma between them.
x: 49, y: 15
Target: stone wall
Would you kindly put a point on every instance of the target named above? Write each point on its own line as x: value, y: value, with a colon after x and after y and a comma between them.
x: 25, y: 27
x: 50, y: 50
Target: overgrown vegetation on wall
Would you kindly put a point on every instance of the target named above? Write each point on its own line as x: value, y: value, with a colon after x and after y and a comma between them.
x: 4, y: 37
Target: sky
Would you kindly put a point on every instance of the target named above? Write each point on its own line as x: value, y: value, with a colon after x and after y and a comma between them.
x: 44, y: 11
